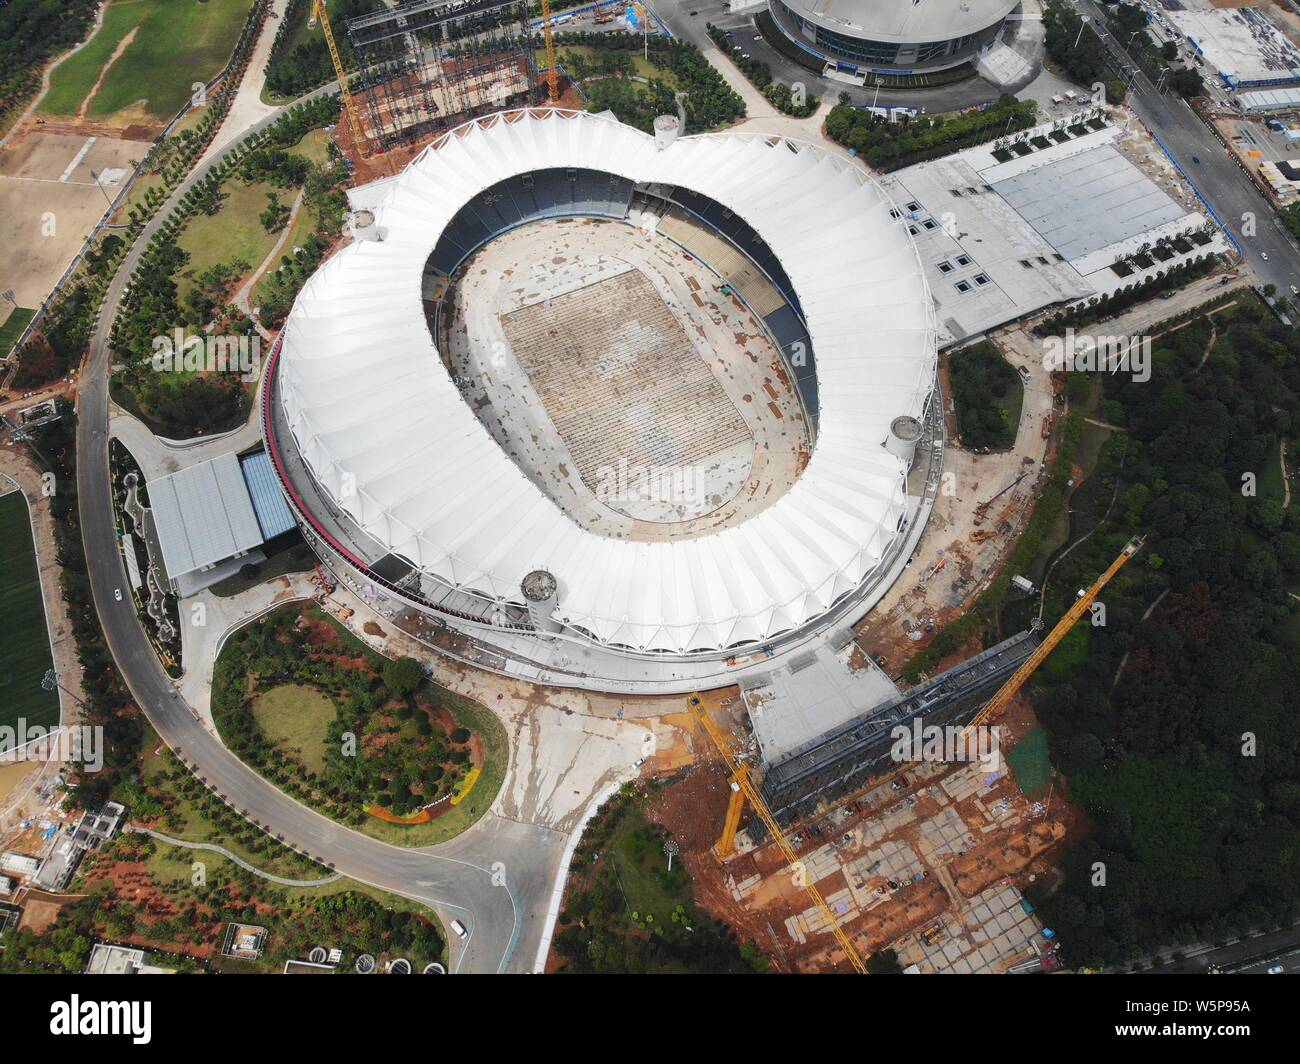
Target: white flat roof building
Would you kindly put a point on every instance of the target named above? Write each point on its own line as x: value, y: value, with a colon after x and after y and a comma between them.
x: 1001, y: 238
x: 1242, y: 45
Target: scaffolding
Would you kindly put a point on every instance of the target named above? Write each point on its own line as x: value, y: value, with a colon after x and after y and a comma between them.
x: 429, y: 65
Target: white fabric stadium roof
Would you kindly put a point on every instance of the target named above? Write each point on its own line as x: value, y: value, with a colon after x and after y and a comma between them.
x: 371, y: 405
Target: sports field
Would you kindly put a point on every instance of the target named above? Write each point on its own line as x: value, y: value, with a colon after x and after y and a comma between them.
x: 72, y: 80
x: 49, y: 202
x: 13, y: 327
x: 169, y: 45
x: 25, y: 648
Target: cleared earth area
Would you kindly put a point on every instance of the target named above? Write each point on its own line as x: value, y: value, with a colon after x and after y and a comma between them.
x: 624, y: 377
x: 49, y: 201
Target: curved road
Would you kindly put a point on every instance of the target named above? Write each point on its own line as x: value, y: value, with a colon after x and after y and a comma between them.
x: 457, y: 878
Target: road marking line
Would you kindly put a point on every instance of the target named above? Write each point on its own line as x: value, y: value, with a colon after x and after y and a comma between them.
x: 76, y: 159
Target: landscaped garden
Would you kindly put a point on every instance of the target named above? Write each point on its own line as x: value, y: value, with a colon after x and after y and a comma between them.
x: 367, y: 740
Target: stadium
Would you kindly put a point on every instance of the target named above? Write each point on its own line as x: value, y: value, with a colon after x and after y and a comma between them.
x: 612, y: 401
x: 892, y: 36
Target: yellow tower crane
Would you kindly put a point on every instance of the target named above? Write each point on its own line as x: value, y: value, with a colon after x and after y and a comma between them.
x: 742, y: 790
x: 354, y: 120
x: 552, y: 72
x: 1080, y: 606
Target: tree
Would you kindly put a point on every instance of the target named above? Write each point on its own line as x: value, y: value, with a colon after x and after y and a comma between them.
x: 1187, y: 82
x: 884, y: 962
x: 402, y: 676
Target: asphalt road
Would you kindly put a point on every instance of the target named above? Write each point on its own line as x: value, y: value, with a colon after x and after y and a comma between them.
x: 1253, y: 955
x: 1268, y: 250
x: 496, y: 878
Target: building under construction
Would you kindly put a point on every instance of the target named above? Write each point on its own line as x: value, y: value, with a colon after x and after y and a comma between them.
x: 844, y: 759
x: 427, y: 66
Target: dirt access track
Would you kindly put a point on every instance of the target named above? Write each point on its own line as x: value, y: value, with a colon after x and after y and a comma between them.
x: 49, y: 202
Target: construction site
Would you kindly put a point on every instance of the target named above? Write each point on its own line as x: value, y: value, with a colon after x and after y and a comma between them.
x: 864, y: 840
x: 425, y: 67
x: 624, y: 378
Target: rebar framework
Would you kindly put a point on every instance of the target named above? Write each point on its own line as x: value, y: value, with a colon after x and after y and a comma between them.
x: 430, y: 65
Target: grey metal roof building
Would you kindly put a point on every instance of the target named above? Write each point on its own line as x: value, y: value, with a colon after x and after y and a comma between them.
x: 891, y: 36
x: 273, y: 514
x: 1088, y: 201
x: 203, y: 515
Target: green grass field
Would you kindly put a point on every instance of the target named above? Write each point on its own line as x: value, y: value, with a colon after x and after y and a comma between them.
x: 25, y: 649
x: 1271, y: 485
x: 72, y: 80
x: 179, y: 42
x: 297, y: 717
x: 13, y: 328
x: 1029, y: 763
x: 233, y: 233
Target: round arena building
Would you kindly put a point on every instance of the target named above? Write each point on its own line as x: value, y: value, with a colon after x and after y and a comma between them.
x: 891, y: 36
x: 616, y: 405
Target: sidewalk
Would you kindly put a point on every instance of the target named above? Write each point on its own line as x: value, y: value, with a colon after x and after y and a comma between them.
x: 247, y: 108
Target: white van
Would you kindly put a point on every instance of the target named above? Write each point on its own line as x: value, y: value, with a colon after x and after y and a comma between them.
x: 459, y: 928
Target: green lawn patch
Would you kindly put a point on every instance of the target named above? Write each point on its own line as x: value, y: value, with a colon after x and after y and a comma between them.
x: 179, y: 42
x: 296, y: 716
x: 1068, y: 654
x: 1271, y: 485
x: 72, y: 80
x: 13, y: 328
x: 233, y: 234
x: 25, y: 649
x: 1030, y: 764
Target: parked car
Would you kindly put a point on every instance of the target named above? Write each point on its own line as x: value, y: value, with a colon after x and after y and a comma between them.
x: 459, y: 928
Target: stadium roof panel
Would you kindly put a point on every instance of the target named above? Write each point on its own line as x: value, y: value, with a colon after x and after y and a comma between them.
x: 389, y: 438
